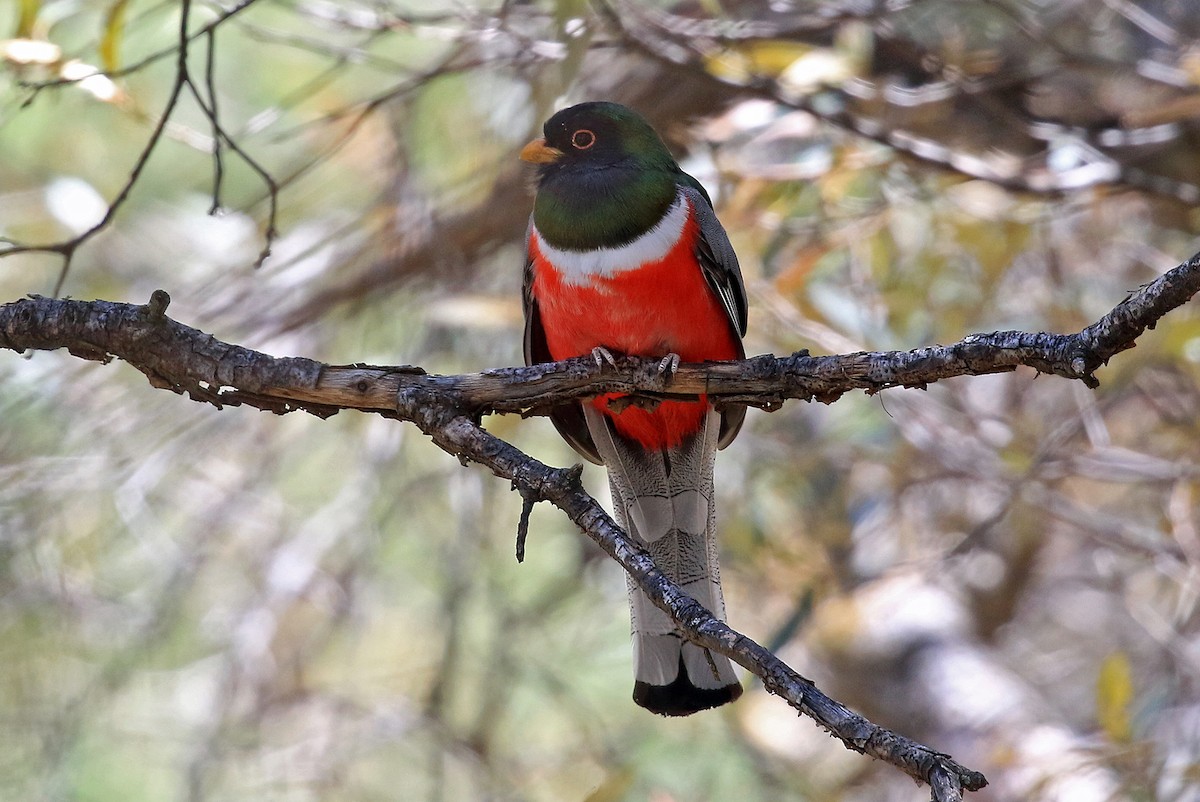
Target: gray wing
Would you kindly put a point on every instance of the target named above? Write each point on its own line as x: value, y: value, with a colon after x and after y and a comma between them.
x: 718, y: 261
x: 724, y: 276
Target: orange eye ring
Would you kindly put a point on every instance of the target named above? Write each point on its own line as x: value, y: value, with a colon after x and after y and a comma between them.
x: 583, y: 139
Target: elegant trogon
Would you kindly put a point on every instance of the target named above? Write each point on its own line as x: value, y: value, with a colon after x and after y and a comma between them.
x: 625, y: 256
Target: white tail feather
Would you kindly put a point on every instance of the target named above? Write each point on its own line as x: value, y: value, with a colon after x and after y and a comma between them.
x: 666, y: 501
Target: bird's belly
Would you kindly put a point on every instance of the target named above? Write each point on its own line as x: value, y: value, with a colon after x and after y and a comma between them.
x: 651, y: 310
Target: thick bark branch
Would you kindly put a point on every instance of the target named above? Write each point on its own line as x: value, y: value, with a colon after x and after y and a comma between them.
x: 448, y: 408
x: 184, y: 359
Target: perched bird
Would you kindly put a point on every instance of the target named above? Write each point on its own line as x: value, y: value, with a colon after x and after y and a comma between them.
x: 625, y: 255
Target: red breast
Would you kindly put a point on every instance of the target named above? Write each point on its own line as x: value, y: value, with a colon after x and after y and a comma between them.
x: 661, y: 307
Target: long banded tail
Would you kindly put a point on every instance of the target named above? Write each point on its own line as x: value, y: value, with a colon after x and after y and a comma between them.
x: 665, y: 499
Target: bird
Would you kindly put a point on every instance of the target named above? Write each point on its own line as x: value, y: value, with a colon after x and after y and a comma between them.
x: 625, y: 255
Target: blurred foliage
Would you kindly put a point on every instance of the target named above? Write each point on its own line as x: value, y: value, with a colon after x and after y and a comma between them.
x: 225, y: 605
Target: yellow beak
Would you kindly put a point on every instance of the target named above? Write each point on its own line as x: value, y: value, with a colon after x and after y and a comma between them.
x: 539, y: 152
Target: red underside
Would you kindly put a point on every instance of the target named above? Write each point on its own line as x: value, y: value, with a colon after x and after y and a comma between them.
x: 660, y: 308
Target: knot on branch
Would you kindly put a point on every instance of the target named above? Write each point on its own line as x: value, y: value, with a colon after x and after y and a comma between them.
x: 155, y: 310
x: 537, y: 482
x: 1081, y: 361
x: 429, y: 407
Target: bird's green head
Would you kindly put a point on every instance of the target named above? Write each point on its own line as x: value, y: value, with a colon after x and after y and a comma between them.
x: 604, y: 176
x: 598, y: 135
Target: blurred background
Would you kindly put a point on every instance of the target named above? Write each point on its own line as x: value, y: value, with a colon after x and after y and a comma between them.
x: 201, y: 604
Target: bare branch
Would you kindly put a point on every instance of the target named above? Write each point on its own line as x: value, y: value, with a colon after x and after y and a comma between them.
x: 448, y: 408
x: 183, y: 359
x: 170, y: 354
x: 457, y: 434
x: 876, y: 106
x: 67, y: 248
x: 183, y: 78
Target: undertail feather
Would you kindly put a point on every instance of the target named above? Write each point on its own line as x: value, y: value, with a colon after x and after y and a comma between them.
x: 665, y: 500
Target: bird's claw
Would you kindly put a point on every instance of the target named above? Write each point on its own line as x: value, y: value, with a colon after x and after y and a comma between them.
x: 668, y: 365
x: 602, y: 355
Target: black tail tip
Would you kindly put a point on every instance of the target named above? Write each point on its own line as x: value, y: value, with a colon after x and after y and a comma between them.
x: 681, y: 697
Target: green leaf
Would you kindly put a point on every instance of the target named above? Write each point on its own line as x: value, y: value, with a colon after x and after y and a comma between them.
x: 114, y: 29
x: 1114, y: 693
x: 27, y: 19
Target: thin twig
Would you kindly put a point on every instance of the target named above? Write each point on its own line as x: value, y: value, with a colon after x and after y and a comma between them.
x: 159, y: 55
x: 222, y: 136
x: 67, y: 249
x: 210, y: 62
x: 221, y: 139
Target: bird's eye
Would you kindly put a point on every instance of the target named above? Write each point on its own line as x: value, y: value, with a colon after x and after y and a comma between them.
x: 582, y: 139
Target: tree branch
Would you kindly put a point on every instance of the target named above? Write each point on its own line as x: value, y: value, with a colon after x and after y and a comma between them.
x: 876, y: 106
x: 448, y: 409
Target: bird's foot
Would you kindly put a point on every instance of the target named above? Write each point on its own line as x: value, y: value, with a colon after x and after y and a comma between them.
x: 602, y: 355
x: 668, y: 365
